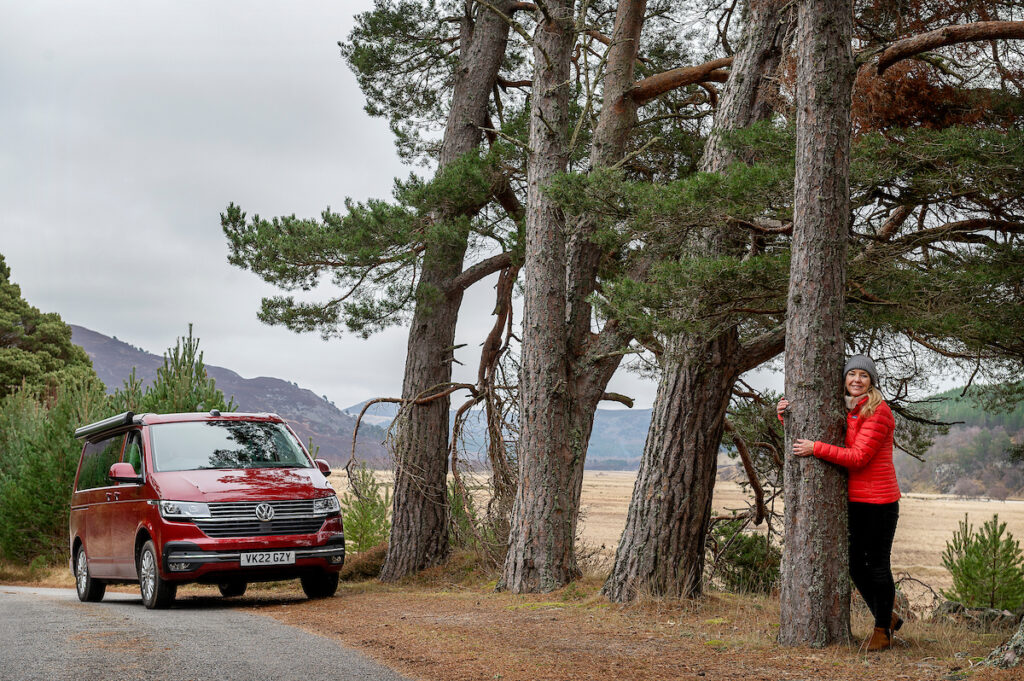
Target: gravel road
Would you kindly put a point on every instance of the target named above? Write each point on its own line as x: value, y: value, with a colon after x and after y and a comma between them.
x: 48, y: 635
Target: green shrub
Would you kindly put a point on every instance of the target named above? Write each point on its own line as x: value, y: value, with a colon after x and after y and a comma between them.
x: 745, y: 562
x: 482, y: 532
x: 986, y: 566
x: 38, y: 460
x: 366, y: 511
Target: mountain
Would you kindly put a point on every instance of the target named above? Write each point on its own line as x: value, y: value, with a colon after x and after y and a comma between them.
x: 310, y: 415
x: 616, y: 442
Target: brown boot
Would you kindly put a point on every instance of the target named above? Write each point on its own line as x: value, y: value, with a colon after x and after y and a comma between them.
x: 896, y: 622
x: 880, y: 639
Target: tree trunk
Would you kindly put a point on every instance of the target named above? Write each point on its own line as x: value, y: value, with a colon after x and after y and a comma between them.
x: 815, y: 598
x: 587, y: 365
x: 1010, y: 653
x: 540, y: 555
x: 419, y: 526
x: 661, y: 551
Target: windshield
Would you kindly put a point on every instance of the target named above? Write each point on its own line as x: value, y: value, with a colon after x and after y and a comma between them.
x: 224, y: 444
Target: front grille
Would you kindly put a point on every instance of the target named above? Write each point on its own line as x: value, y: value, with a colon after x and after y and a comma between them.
x: 238, y: 519
x: 244, y: 527
x: 247, y: 509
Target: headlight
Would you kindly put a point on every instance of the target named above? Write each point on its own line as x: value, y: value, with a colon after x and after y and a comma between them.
x: 184, y: 510
x: 326, y: 505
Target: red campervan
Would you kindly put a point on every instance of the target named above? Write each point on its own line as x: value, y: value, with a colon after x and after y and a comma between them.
x: 226, y: 499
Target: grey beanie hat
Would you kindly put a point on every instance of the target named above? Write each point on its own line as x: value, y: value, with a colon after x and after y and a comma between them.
x: 862, y: 362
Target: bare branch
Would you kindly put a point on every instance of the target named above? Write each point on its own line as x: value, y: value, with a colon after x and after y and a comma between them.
x: 935, y: 348
x: 477, y: 272
x: 616, y: 397
x: 630, y: 156
x: 505, y: 84
x: 950, y: 35
x: 660, y: 83
x: 764, y: 226
x: 958, y: 229
x: 515, y: 25
x: 748, y: 466
x: 602, y: 38
x: 763, y: 348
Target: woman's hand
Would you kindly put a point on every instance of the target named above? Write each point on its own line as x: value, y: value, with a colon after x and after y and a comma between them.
x: 782, y: 406
x: 803, y: 448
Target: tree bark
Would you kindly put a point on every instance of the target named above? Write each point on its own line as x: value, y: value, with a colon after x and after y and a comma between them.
x: 815, y: 595
x: 419, y: 529
x: 661, y: 551
x: 540, y: 555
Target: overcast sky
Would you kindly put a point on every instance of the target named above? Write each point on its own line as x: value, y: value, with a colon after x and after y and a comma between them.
x: 127, y: 127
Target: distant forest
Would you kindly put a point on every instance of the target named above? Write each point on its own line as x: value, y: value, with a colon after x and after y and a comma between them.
x: 979, y: 457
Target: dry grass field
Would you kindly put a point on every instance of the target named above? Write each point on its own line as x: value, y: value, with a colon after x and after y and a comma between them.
x: 927, y: 521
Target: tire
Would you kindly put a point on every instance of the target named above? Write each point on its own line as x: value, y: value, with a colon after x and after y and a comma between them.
x: 157, y: 593
x: 320, y: 585
x: 232, y: 589
x: 89, y: 589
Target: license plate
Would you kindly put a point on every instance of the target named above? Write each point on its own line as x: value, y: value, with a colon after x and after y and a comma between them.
x: 268, y: 558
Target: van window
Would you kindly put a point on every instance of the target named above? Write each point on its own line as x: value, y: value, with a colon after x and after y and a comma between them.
x: 191, y: 445
x: 97, y: 458
x: 133, y: 452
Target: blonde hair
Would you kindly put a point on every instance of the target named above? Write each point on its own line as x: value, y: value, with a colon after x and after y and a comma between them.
x: 874, y: 399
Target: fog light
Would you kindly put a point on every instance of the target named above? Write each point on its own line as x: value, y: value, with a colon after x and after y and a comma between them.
x: 334, y: 560
x: 179, y: 567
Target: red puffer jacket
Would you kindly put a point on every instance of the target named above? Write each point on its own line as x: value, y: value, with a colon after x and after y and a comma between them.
x: 868, y: 455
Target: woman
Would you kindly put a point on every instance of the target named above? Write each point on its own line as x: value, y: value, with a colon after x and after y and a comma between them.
x: 873, y: 491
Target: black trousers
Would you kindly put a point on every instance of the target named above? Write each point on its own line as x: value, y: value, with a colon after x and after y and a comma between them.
x: 872, y: 528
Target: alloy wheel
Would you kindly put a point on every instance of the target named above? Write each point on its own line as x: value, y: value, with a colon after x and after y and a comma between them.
x: 147, y: 574
x: 81, y: 572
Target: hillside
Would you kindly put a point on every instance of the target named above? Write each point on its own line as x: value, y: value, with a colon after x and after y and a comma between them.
x: 979, y: 457
x: 310, y: 415
x: 616, y: 443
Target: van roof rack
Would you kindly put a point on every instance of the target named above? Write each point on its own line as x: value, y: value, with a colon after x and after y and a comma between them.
x: 119, y: 421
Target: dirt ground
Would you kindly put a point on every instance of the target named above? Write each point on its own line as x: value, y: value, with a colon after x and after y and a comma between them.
x: 450, y: 624
x: 460, y: 633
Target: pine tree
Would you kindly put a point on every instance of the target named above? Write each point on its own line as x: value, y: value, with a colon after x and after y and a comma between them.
x: 181, y: 385
x: 986, y: 566
x: 404, y: 262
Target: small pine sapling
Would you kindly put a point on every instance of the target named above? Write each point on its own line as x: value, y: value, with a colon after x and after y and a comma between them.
x: 366, y: 511
x: 986, y: 566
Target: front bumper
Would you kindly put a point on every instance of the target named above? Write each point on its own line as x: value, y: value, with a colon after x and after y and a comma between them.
x: 187, y: 561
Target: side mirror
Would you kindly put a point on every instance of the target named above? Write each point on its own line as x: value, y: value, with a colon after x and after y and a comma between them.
x: 123, y: 472
x: 324, y: 467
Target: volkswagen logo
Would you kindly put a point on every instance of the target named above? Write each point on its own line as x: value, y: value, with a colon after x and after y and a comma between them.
x: 264, y: 512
